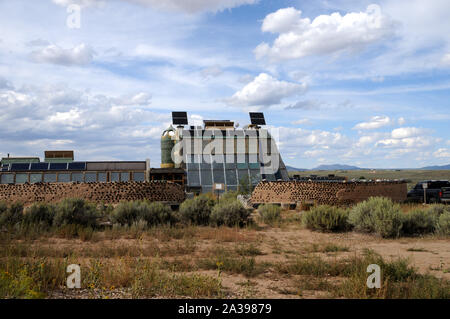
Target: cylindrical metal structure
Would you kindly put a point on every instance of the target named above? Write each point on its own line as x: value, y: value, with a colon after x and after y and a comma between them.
x: 167, y: 144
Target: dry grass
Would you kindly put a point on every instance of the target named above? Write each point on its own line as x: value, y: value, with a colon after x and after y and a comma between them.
x: 279, y: 261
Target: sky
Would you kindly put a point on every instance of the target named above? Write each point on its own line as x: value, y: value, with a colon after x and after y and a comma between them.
x: 363, y: 83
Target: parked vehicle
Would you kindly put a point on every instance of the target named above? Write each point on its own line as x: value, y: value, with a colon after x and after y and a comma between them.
x: 445, y: 195
x: 434, y: 191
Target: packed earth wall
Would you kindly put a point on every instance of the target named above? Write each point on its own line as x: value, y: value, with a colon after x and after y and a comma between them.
x: 326, y: 192
x: 112, y: 192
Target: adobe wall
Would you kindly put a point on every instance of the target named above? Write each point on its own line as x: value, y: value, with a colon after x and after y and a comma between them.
x: 95, y: 192
x: 332, y: 193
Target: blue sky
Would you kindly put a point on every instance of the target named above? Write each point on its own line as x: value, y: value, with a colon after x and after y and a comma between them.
x: 365, y: 83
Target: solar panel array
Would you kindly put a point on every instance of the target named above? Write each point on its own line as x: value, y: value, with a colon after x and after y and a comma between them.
x: 179, y: 118
x: 257, y: 118
x: 43, y: 166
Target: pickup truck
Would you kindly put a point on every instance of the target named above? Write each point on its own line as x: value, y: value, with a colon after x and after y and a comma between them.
x: 434, y: 192
x: 445, y: 195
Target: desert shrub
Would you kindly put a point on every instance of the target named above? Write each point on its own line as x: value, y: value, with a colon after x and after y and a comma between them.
x: 12, y: 215
x: 154, y: 213
x: 418, y: 222
x: 229, y: 213
x: 437, y: 210
x: 40, y: 214
x: 377, y: 214
x: 157, y: 214
x: 74, y: 211
x: 229, y: 196
x: 443, y: 225
x: 126, y: 213
x: 269, y: 213
x: 3, y: 207
x: 326, y: 218
x: 196, y: 210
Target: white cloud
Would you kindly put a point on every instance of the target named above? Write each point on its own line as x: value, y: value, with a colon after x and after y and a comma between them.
x: 72, y: 118
x: 191, y: 6
x: 302, y: 122
x: 369, y: 140
x: 305, y: 105
x: 282, y: 20
x: 325, y: 34
x: 196, y: 120
x: 374, y: 123
x: 377, y: 79
x: 401, y: 121
x: 446, y: 59
x: 141, y: 98
x: 212, y: 71
x: 265, y: 90
x: 405, y: 132
x: 78, y: 55
x: 408, y: 142
x: 38, y: 43
x: 442, y: 153
x: 407, y: 138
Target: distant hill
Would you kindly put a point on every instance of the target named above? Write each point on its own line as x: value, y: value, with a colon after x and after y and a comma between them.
x: 334, y: 167
x: 338, y: 167
x: 294, y: 169
x: 329, y: 167
x: 437, y: 167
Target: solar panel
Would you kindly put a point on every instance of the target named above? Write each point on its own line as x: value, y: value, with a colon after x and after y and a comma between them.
x: 20, y: 166
x: 179, y: 118
x: 39, y: 166
x: 257, y: 118
x: 77, y: 166
x: 58, y: 166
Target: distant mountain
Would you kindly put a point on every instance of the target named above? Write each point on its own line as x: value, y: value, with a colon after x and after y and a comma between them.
x: 335, y: 167
x: 437, y: 167
x: 294, y: 169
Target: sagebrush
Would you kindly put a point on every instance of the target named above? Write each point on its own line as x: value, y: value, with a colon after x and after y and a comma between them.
x: 326, y: 218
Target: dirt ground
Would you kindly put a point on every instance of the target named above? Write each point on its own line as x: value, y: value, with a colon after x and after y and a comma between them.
x: 274, y: 244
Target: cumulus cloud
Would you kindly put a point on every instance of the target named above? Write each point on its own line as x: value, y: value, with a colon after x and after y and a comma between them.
x: 299, y: 137
x: 442, y: 153
x: 302, y: 122
x: 405, y: 132
x: 38, y: 43
x: 408, y: 138
x: 374, y: 123
x: 305, y: 105
x: 191, y: 6
x: 212, y: 71
x: 37, y: 112
x: 141, y: 98
x: 401, y: 121
x: 300, y: 37
x: 264, y: 91
x: 446, y: 59
x: 78, y: 55
x: 370, y: 139
x: 4, y: 84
